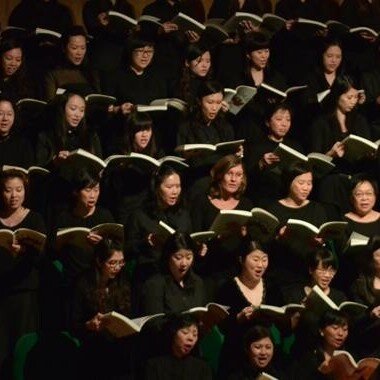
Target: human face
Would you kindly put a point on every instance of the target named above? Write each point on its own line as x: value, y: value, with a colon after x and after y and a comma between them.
x: 7, y: 118
x: 201, y: 65
x: 142, y: 139
x: 332, y: 59
x: 259, y: 58
x: 211, y: 105
x: 111, y: 268
x: 184, y: 341
x: 301, y: 187
x: 170, y: 190
x: 334, y: 335
x: 180, y: 262
x: 376, y: 261
x: 14, y: 193
x: 348, y: 100
x: 232, y: 180
x: 142, y: 57
x: 279, y: 123
x: 88, y: 197
x: 11, y: 61
x: 261, y: 352
x: 255, y: 265
x: 76, y: 49
x: 364, y: 198
x: 323, y: 276
x: 74, y: 110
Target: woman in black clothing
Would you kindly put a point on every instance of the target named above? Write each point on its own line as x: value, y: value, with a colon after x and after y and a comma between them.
x: 83, y: 212
x: 138, y: 82
x: 19, y: 277
x: 327, y: 133
x: 323, y: 266
x: 126, y: 187
x: 243, y: 293
x: 69, y: 132
x: 15, y: 150
x: 259, y: 352
x: 333, y: 332
x: 177, y: 288
x: 197, y: 68
x: 14, y: 80
x: 263, y: 165
x: 366, y: 290
x: 74, y: 71
x: 177, y: 360
x: 102, y: 289
x: 363, y: 218
x: 141, y: 230
x: 290, y: 253
x: 226, y: 192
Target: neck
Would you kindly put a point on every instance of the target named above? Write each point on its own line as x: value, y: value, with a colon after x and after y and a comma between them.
x: 137, y: 71
x: 83, y: 211
x: 7, y: 213
x: 328, y: 350
x: 295, y: 203
x: 275, y: 139
x: 248, y: 281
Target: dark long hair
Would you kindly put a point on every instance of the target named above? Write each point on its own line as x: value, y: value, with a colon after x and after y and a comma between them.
x: 114, y: 294
x: 137, y: 122
x: 61, y: 126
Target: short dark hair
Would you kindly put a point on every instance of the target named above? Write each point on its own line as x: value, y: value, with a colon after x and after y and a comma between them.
x: 209, y: 87
x: 255, y: 41
x: 323, y: 256
x: 292, y: 171
x: 254, y: 334
x: 83, y: 178
x: 248, y: 245
x: 105, y: 249
x: 359, y: 179
x: 176, y: 242
x: 333, y: 317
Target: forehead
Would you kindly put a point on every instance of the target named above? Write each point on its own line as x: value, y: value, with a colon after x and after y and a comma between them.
x: 304, y: 177
x: 170, y: 179
x: 333, y: 49
x: 117, y: 255
x: 6, y: 106
x: 14, y: 181
x: 218, y: 96
x: 77, y: 40
x: 257, y: 253
x: 363, y: 185
x: 265, y: 340
x: 75, y: 100
x: 15, y: 52
x: 281, y: 113
x: 182, y: 253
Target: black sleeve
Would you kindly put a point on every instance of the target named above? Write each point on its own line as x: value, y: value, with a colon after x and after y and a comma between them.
x: 152, y: 296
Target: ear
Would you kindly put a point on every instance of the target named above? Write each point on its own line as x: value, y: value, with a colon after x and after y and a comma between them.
x: 187, y: 64
x: 321, y: 333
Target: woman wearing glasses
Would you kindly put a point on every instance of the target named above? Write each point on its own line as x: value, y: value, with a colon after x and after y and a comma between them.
x: 138, y: 82
x: 323, y: 266
x: 102, y: 289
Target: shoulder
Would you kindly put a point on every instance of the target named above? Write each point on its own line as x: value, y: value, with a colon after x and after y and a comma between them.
x: 35, y: 221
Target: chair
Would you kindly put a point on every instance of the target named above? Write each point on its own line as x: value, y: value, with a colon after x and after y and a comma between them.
x: 46, y: 355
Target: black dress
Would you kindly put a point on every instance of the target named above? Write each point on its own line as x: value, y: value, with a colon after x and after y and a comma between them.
x: 221, y: 260
x: 289, y: 257
x: 232, y: 354
x: 15, y: 150
x: 307, y: 331
x: 162, y: 294
x: 19, y: 284
x: 144, y: 222
x: 227, y: 8
x: 102, y: 357
x: 76, y: 260
x: 168, y: 367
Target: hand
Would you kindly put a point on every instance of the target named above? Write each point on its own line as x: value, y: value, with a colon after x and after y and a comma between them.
x: 62, y: 155
x: 248, y: 26
x: 246, y: 314
x: 240, y: 151
x: 113, y: 109
x: 361, y: 97
x: 289, y: 24
x: 203, y: 250
x: 17, y: 248
x: 337, y: 150
x: 268, y: 159
x: 375, y: 312
x: 368, y: 36
x: 126, y: 108
x: 192, y: 36
x: 225, y: 106
x: 168, y: 27
x: 94, y: 238
x: 152, y: 240
x: 95, y: 324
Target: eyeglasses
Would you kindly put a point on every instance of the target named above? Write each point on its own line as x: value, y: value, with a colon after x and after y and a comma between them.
x: 144, y: 51
x: 329, y: 271
x: 364, y: 195
x: 115, y: 263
